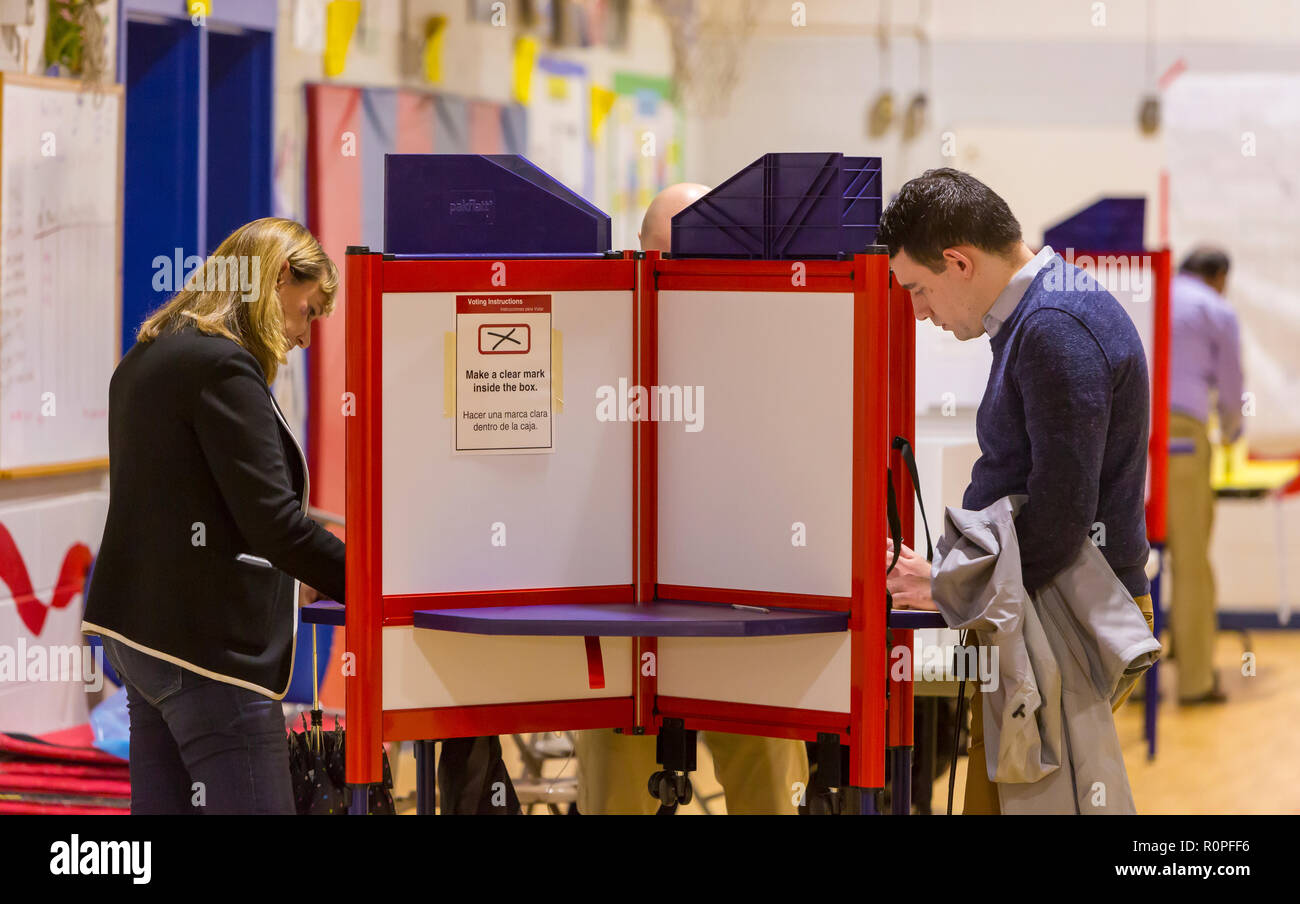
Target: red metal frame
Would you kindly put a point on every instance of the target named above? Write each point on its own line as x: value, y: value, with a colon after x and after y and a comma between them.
x: 504, y: 718
x: 764, y: 276
x: 881, y: 403
x: 749, y: 718
x: 507, y: 275
x: 364, y: 611
x: 398, y: 607
x: 1161, y: 262
x: 645, y: 492
x: 870, y: 449
x: 902, y: 422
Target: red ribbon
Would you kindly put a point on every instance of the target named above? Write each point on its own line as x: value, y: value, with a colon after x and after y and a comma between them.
x: 595, y: 664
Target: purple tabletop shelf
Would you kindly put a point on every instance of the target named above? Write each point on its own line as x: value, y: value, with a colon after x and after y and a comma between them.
x: 915, y: 618
x: 326, y: 612
x: 677, y: 618
x: 660, y: 619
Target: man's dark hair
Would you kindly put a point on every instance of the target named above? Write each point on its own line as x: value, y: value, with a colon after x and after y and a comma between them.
x: 943, y: 208
x: 1206, y: 262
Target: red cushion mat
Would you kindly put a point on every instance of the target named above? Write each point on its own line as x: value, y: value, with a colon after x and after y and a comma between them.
x: 67, y: 784
x: 32, y: 808
x: 15, y: 767
x: 19, y: 745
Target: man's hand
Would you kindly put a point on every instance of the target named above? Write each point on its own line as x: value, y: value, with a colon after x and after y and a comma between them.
x: 307, y: 594
x: 909, y: 582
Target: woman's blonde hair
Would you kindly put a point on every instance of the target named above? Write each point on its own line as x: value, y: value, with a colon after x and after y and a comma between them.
x: 234, y: 293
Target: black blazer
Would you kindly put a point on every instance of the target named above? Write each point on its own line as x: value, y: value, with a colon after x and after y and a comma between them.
x: 206, y: 535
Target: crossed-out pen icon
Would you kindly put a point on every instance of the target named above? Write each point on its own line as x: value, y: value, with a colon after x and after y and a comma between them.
x: 504, y: 339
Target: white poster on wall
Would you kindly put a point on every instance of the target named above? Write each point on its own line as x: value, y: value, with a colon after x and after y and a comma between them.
x: 1233, y: 142
x: 46, y: 668
x: 557, y: 124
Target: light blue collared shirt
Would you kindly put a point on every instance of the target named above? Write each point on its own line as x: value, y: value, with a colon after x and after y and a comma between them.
x: 1005, y: 304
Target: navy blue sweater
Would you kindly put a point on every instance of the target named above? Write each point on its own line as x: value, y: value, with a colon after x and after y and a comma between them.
x: 1065, y: 419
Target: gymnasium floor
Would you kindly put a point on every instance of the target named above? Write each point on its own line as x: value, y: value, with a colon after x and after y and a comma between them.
x: 1240, y: 758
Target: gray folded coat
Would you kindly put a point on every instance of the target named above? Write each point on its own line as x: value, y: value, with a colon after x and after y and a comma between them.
x: 1064, y: 656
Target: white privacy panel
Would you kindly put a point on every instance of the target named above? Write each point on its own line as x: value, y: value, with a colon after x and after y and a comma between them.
x: 441, y: 668
x: 457, y: 523
x: 803, y: 671
x: 775, y: 444
x: 1131, y: 278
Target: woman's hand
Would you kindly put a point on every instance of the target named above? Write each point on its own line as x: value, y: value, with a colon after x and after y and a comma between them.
x: 307, y: 594
x: 909, y: 582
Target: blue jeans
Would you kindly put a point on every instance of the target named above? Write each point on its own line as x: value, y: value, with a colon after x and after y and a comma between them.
x: 200, y: 746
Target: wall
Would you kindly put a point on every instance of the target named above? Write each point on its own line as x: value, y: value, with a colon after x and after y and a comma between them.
x: 1040, y: 100
x: 477, y: 62
x: 46, y: 516
x: 1033, y: 98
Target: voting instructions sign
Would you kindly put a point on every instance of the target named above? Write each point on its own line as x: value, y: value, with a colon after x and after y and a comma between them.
x: 503, y: 373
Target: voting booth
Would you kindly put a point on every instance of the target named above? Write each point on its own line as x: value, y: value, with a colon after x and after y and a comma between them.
x: 594, y: 490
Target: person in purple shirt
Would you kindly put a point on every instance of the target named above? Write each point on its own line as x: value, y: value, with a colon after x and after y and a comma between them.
x: 1206, y: 362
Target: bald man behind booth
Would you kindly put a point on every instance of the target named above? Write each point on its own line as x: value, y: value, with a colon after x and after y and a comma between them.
x: 757, y: 774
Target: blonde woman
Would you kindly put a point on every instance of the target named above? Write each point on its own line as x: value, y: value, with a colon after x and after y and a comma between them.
x: 206, y: 540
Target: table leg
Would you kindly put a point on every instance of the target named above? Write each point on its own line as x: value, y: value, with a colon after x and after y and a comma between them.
x: 900, y: 771
x: 1284, y: 601
x: 1151, y: 681
x: 927, y: 749
x: 426, y: 778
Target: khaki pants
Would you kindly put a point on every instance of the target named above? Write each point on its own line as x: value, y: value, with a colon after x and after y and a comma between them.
x: 981, y: 793
x: 1191, y: 516
x: 757, y: 774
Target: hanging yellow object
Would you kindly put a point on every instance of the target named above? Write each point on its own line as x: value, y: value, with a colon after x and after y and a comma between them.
x: 340, y: 23
x: 602, y: 101
x: 200, y: 9
x: 435, y: 28
x: 525, y: 60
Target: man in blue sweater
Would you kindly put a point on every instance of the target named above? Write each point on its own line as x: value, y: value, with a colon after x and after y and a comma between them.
x: 1065, y: 414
